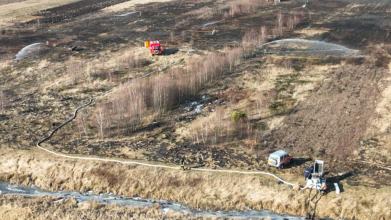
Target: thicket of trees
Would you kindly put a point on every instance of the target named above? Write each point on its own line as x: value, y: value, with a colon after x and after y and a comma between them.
x: 138, y: 104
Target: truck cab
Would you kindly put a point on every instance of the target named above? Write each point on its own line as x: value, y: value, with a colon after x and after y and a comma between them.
x: 155, y: 47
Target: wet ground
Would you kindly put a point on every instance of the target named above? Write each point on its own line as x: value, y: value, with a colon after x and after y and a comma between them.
x: 58, y: 197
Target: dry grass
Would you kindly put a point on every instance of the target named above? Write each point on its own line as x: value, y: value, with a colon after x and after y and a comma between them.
x: 130, y: 5
x: 4, y: 2
x: 308, y: 32
x: 201, y: 13
x: 216, y: 127
x: 21, y: 11
x: 197, y: 189
x: 383, y: 122
x: 238, y: 7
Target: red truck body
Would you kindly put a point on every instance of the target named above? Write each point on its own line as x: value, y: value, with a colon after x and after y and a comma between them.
x: 155, y: 47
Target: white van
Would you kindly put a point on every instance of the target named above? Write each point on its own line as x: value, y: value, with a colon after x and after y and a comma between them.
x: 279, y: 159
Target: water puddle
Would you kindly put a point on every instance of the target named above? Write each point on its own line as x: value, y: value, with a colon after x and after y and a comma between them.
x: 197, y: 107
x: 7, y: 188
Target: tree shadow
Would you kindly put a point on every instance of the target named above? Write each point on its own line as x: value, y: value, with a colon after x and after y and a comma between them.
x: 296, y: 162
x: 283, y: 113
x: 167, y: 52
x: 311, y: 209
x: 75, y: 48
x: 198, y: 166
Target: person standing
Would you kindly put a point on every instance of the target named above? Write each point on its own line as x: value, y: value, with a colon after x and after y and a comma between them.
x: 308, y: 172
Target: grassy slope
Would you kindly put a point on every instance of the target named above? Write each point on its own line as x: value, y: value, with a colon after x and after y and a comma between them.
x: 196, y: 189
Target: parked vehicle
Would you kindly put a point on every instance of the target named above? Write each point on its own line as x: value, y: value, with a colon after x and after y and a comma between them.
x: 154, y: 46
x: 279, y: 159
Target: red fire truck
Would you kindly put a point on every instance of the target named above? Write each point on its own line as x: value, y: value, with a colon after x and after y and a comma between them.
x: 154, y: 46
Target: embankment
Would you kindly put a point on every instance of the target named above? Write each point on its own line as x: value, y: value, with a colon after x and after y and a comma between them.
x: 196, y: 189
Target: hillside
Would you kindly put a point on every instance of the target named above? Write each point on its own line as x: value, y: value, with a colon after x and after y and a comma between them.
x: 238, y: 80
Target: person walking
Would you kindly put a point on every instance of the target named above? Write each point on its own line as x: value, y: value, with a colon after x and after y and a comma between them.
x: 182, y: 164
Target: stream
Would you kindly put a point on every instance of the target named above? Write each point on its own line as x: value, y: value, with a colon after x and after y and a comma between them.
x: 12, y: 189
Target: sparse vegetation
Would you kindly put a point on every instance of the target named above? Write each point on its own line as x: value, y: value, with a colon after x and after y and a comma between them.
x: 231, y: 101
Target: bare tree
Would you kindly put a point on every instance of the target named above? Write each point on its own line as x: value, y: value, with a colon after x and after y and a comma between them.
x: 287, y: 63
x: 73, y: 69
x: 183, y: 35
x: 2, y: 102
x: 280, y: 23
x: 290, y: 22
x: 172, y: 36
x: 259, y: 106
x: 82, y: 122
x: 110, y: 75
x: 204, y: 133
x: 263, y: 35
x: 101, y: 119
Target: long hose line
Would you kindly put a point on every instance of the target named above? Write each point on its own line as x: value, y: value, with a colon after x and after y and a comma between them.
x: 134, y: 162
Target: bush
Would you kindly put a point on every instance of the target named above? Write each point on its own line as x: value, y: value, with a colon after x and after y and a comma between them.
x: 239, y: 116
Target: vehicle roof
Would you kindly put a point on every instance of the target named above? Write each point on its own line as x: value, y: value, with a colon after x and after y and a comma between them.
x: 279, y: 153
x: 154, y: 42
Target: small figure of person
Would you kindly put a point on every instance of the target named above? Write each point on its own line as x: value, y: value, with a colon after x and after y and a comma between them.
x: 182, y: 164
x: 308, y: 172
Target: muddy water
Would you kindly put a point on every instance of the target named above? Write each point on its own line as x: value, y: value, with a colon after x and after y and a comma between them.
x: 7, y: 188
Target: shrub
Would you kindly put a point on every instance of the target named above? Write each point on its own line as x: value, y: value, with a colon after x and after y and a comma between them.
x: 239, y: 116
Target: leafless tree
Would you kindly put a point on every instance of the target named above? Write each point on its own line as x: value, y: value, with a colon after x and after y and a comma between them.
x: 101, y: 119
x: 2, y: 102
x: 288, y: 63
x: 280, y: 23
x: 73, y: 69
x: 290, y: 22
x: 263, y: 35
x: 82, y: 122
x: 259, y: 106
x: 183, y: 35
x: 204, y: 133
x: 172, y: 36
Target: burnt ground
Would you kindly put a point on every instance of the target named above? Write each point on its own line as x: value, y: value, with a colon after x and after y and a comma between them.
x: 348, y: 104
